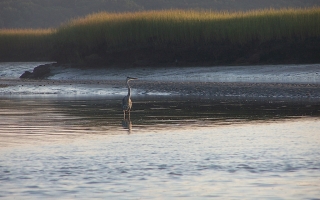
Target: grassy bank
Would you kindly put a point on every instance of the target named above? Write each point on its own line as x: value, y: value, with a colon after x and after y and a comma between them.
x: 172, y: 36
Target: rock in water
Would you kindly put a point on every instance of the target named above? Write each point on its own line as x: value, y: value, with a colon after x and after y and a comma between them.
x: 26, y: 74
x: 39, y: 72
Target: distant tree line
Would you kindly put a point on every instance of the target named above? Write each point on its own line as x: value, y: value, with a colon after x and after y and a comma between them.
x: 52, y: 13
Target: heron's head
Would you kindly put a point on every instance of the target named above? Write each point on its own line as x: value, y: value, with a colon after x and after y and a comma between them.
x: 131, y: 78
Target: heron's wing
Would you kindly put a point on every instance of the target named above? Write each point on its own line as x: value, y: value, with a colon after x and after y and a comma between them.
x: 124, y: 101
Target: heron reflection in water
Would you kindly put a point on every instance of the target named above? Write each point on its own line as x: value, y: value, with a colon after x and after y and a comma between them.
x: 126, y: 101
x: 127, y: 124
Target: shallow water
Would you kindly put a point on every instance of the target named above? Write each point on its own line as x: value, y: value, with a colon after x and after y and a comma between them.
x: 66, y: 138
x: 80, y: 147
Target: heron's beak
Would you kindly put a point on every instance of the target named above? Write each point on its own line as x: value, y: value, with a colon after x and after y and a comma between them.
x: 132, y: 78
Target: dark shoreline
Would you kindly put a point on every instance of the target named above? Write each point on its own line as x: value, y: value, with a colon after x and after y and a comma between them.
x: 281, y: 51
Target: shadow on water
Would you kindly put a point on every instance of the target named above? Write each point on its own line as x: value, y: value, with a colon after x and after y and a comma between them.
x: 148, y: 112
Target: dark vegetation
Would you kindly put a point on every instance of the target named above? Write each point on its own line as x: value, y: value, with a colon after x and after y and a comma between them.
x: 51, y: 13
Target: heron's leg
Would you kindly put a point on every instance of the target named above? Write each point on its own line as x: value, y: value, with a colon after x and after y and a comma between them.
x: 129, y: 115
x: 124, y: 114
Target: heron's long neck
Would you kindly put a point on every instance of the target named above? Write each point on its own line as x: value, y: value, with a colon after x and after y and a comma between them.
x: 129, y: 89
x: 129, y: 92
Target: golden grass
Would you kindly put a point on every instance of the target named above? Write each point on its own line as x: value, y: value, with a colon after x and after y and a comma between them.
x: 190, y: 27
x: 158, y: 28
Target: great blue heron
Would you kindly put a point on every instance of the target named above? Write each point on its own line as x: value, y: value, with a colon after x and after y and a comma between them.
x: 126, y: 101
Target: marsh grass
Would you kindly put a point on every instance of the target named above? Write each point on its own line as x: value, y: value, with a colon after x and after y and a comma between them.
x: 190, y: 27
x: 158, y: 29
x: 25, y: 43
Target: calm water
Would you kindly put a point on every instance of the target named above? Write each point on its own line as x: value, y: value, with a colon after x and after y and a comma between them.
x: 171, y: 148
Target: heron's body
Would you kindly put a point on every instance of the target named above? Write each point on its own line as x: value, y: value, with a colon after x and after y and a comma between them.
x: 126, y: 104
x: 126, y: 101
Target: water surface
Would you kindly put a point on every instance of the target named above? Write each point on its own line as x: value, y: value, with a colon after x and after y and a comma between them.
x: 189, y: 136
x: 170, y: 148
